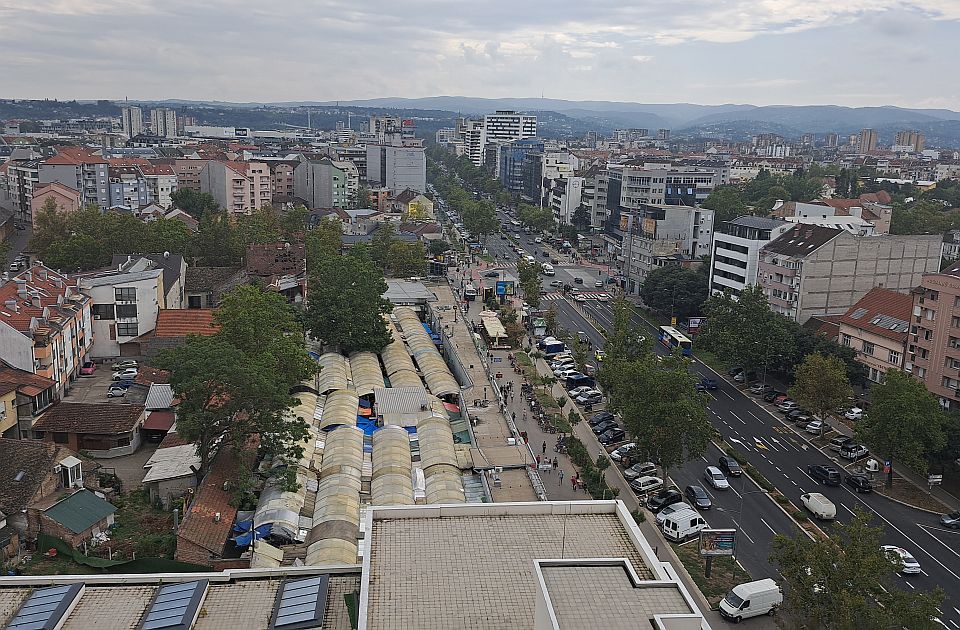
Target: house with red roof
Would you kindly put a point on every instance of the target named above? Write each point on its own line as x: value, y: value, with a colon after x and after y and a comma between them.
x: 80, y: 169
x: 877, y: 327
x: 174, y: 325
x: 46, y: 325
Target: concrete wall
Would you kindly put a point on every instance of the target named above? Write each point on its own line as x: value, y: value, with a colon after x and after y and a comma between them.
x: 16, y: 348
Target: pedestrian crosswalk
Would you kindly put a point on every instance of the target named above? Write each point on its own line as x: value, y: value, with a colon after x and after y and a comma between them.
x: 589, y: 296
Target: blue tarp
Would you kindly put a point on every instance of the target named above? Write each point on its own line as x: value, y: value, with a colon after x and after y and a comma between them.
x: 244, y: 540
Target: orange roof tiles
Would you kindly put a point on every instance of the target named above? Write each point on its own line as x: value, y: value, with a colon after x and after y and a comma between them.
x: 75, y: 156
x: 183, y: 322
x: 879, y: 302
x: 45, y: 286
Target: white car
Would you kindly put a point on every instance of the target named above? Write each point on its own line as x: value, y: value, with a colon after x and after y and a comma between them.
x: 538, y: 240
x: 854, y: 414
x: 579, y: 298
x: 817, y: 427
x: 565, y: 373
x: 906, y: 559
x: 715, y: 478
x: 128, y: 373
x: 641, y: 469
x: 576, y: 391
x: 671, y: 509
x: 602, y: 297
x: 618, y: 453
x: 562, y: 364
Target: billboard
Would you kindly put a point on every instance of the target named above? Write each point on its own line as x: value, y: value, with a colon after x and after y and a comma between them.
x: 695, y: 323
x: 650, y: 228
x: 506, y: 287
x: 718, y: 542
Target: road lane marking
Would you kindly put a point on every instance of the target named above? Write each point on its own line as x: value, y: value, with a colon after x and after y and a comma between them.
x: 768, y: 526
x: 705, y: 460
x: 738, y: 418
x: 948, y: 547
x: 847, y: 509
x: 910, y: 585
x: 728, y: 396
x: 954, y: 622
x: 939, y: 529
x: 754, y: 415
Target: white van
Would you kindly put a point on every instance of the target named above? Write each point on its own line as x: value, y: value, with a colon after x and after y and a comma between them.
x: 547, y: 269
x: 682, y: 525
x: 530, y: 259
x: 751, y: 600
x: 821, y: 507
x: 643, y: 485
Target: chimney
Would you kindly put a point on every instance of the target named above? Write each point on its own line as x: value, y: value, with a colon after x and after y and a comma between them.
x: 42, y: 274
x: 35, y: 300
x: 12, y: 305
x: 22, y: 288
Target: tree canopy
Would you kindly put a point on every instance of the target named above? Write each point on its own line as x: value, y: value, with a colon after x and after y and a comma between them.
x: 675, y: 290
x: 821, y: 384
x: 529, y: 276
x: 194, y: 203
x: 536, y: 218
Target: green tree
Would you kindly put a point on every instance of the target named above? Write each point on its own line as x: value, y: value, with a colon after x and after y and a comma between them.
x: 480, y: 219
x: 438, y: 247
x: 323, y: 241
x: 345, y: 305
x: 529, y: 275
x: 194, y: 203
x: 675, y: 290
x: 360, y: 198
x: 726, y: 202
x: 536, y: 218
x: 846, y: 582
x: 905, y: 422
x: 215, y: 244
x: 381, y: 243
x: 407, y: 259
x: 293, y: 223
x: 821, y: 384
x: 226, y: 396
x: 581, y: 218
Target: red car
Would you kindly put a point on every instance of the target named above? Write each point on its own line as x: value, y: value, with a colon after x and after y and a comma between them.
x: 781, y: 398
x: 88, y: 368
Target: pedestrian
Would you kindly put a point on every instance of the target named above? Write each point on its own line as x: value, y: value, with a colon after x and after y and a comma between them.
x: 554, y: 462
x: 560, y: 480
x: 514, y: 416
x: 573, y: 482
x: 544, y: 449
x: 538, y: 461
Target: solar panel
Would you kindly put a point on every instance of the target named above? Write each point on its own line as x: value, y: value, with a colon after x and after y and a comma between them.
x: 175, y: 606
x: 301, y: 603
x: 46, y: 608
x: 857, y: 314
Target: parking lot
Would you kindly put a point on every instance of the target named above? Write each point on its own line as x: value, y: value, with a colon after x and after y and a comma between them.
x: 93, y: 389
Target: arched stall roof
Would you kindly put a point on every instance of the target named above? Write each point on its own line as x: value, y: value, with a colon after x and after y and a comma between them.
x: 336, y: 515
x: 339, y: 409
x: 367, y: 375
x: 334, y: 372
x: 391, y: 482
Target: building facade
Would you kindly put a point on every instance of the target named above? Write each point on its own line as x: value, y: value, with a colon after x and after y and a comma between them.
x: 933, y: 346
x: 398, y: 165
x: 736, y: 251
x: 81, y: 170
x: 238, y: 187
x: 320, y: 184
x: 131, y: 119
x: 877, y: 327
x: 163, y: 122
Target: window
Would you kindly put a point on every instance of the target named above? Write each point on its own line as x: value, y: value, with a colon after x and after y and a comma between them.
x: 845, y: 340
x: 194, y: 301
x: 103, y: 311
x: 60, y: 438
x: 127, y: 329
x: 126, y: 310
x: 894, y: 357
x: 955, y: 321
x: 126, y: 294
x: 868, y: 348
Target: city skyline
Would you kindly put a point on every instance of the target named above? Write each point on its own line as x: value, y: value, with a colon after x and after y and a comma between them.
x: 851, y: 54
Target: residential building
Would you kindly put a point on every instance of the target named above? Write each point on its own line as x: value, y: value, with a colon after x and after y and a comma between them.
x: 663, y: 134
x: 736, y: 251
x: 173, y: 327
x: 446, y: 135
x: 103, y: 430
x: 188, y: 173
x: 398, y: 164
x: 238, y: 187
x: 414, y: 206
x: 320, y: 184
x: 933, y: 347
x: 593, y: 194
x: 25, y: 395
x: 812, y: 270
x: 171, y: 470
x: 912, y: 139
x: 67, y: 199
x: 204, y: 287
x: 81, y: 170
x: 866, y: 141
x: 22, y: 178
x: 511, y: 157
x: 128, y: 188
x: 352, y: 174
x: 131, y: 119
x: 77, y: 518
x: 161, y: 182
x: 163, y: 122
x: 565, y: 196
x: 877, y: 327
x: 507, y: 126
x: 357, y: 155
x: 474, y: 140
x: 45, y: 325
x: 283, y: 180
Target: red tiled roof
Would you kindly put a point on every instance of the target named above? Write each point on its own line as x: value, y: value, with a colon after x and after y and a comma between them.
x: 149, y: 375
x: 43, y: 282
x: 183, y: 322
x: 26, y: 382
x: 75, y: 156
x: 159, y: 421
x: 96, y: 418
x: 877, y: 303
x: 881, y: 196
x: 63, y: 188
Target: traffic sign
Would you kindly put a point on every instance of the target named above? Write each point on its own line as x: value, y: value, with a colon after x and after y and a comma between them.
x: 934, y: 480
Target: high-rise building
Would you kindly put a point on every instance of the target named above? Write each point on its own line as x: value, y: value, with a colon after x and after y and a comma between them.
x: 736, y: 251
x: 131, y: 117
x: 833, y: 139
x: 867, y: 141
x: 398, y: 163
x: 163, y: 122
x: 481, y: 138
x: 663, y: 134
x: 320, y: 184
x: 913, y: 139
x: 238, y: 187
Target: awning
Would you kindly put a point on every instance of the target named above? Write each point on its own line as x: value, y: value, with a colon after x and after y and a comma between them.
x: 159, y: 421
x: 451, y: 407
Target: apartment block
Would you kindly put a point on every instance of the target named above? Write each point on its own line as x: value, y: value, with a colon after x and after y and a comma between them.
x: 734, y: 261
x: 66, y: 198
x: 128, y: 187
x: 933, y: 347
x: 125, y: 305
x: 866, y: 141
x: 912, y: 139
x: 21, y: 178
x: 320, y: 184
x: 398, y: 164
x: 81, y: 170
x: 131, y: 119
x: 163, y: 122
x: 877, y: 328
x: 812, y: 270
x: 511, y: 158
x: 566, y: 195
x: 239, y: 187
x: 188, y: 173
x: 45, y: 325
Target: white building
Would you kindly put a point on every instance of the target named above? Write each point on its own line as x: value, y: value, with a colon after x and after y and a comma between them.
x: 131, y: 118
x: 397, y: 164
x: 566, y: 195
x: 125, y: 305
x: 495, y: 129
x: 736, y: 251
x: 163, y: 122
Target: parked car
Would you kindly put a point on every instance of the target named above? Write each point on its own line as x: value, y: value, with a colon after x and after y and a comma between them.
x: 855, y: 413
x: 591, y: 397
x: 817, y: 427
x: 902, y: 558
x: 664, y: 498
x: 670, y: 509
x: 599, y: 356
x: 734, y: 370
x: 745, y: 377
x: 824, y: 474
x: 854, y: 451
x: 642, y: 485
x: 860, y: 483
x: 698, y: 497
x: 683, y: 525
x: 88, y: 368
x: 752, y: 599
x: 730, y: 466
x: 799, y: 415
x: 116, y: 391
x: 576, y: 391
x: 493, y: 273
x: 780, y: 398
x: 564, y: 373
x: 819, y: 505
x: 618, y: 453
x: 951, y: 520
x: 839, y: 442
x: 599, y: 417
x: 715, y: 478
x: 124, y: 374
x: 643, y: 469
x: 612, y: 436
x: 598, y: 284
x: 123, y: 364
x: 771, y: 395
x: 760, y: 389
x: 604, y: 426
x: 787, y: 405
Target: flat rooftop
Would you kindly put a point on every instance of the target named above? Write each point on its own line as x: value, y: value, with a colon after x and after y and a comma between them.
x: 475, y: 566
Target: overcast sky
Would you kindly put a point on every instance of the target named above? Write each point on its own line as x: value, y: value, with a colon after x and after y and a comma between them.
x: 844, y: 52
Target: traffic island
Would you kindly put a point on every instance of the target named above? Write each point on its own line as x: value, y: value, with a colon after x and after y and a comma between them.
x: 725, y: 573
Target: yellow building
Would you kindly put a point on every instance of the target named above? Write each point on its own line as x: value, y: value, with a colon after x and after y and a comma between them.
x: 413, y: 206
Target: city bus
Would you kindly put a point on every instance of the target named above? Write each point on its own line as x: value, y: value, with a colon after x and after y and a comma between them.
x: 469, y: 293
x: 673, y: 338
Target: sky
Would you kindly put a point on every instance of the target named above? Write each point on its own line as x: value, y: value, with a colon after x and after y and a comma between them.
x: 763, y: 52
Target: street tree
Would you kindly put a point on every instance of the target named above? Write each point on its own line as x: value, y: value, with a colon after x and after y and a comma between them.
x: 360, y: 198
x: 726, y: 202
x: 383, y: 239
x: 675, y: 290
x: 345, y: 306
x: 438, y: 246
x: 407, y: 259
x: 821, y: 384
x: 536, y: 218
x: 550, y: 317
x: 194, y: 203
x: 324, y: 241
x: 480, y: 218
x: 846, y: 582
x: 581, y: 218
x: 529, y: 275
x: 226, y: 396
x: 293, y: 222
x: 905, y: 422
